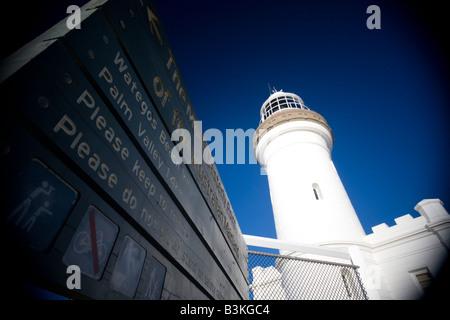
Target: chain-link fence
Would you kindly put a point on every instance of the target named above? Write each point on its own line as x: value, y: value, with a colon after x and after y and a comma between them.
x: 277, y: 277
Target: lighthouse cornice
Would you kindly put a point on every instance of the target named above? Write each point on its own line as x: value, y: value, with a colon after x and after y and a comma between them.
x: 289, y: 115
x: 312, y: 126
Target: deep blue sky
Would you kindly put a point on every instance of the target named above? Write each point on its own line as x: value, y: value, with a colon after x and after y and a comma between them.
x: 383, y: 92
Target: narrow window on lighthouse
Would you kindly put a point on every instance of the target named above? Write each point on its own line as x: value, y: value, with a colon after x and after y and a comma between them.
x: 316, y: 190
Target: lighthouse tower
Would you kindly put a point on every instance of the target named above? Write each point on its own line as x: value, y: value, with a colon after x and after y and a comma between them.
x: 310, y: 205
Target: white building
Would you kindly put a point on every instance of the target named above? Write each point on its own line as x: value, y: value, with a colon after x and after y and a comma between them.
x: 310, y: 205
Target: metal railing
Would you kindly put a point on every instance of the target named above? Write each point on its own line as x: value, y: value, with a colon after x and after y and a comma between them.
x: 295, y: 277
x: 278, y: 277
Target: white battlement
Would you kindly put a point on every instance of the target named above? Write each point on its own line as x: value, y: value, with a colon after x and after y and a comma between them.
x: 431, y: 211
x: 411, y: 244
x: 405, y: 221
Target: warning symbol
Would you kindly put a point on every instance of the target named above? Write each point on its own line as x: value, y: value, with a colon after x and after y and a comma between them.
x: 92, y: 243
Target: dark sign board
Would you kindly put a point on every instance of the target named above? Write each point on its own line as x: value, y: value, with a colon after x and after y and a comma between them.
x: 104, y: 101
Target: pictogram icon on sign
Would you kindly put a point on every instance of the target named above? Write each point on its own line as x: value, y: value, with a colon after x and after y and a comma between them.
x: 39, y: 204
x: 92, y: 243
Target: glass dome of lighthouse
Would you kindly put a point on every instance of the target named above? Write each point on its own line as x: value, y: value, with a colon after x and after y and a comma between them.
x: 280, y: 100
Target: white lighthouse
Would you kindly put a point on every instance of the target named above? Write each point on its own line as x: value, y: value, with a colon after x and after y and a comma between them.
x: 310, y: 204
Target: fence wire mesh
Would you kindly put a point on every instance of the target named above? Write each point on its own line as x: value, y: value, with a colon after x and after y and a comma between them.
x: 278, y: 277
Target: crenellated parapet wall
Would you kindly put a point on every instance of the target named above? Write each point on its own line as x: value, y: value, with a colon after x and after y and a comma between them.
x: 432, y: 214
x: 411, y: 249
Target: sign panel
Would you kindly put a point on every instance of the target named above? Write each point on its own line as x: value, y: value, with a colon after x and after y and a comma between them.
x: 105, y: 99
x: 81, y: 125
x: 92, y: 243
x: 108, y: 65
